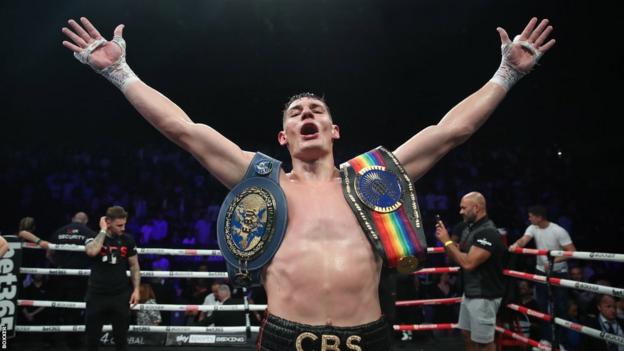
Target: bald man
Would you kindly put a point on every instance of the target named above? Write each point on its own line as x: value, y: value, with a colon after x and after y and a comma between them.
x: 71, y: 288
x: 480, y: 255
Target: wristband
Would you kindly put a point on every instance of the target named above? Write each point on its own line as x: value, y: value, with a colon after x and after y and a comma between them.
x: 447, y: 243
x: 37, y: 241
x: 119, y: 73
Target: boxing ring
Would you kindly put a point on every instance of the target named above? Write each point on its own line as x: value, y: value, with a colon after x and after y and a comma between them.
x: 241, y: 335
x: 548, y: 318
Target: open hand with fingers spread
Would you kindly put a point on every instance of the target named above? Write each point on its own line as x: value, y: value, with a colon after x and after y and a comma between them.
x: 522, y: 54
x: 108, y: 58
x: 529, y: 46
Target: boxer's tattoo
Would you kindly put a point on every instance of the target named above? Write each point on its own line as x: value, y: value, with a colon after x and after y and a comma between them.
x: 97, y: 242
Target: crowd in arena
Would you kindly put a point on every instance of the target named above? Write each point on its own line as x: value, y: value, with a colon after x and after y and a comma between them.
x: 173, y: 203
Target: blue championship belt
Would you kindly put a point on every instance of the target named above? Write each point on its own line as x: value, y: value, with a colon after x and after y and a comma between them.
x: 252, y: 221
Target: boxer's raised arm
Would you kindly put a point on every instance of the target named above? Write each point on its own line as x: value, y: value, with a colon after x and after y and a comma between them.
x: 424, y: 149
x: 221, y: 157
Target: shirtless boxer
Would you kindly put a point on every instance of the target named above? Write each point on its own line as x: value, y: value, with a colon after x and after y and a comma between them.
x: 322, y: 284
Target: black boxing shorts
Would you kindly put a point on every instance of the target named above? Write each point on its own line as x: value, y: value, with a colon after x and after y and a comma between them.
x: 277, y: 334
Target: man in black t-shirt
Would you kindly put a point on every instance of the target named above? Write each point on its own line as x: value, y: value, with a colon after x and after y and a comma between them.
x: 74, y: 233
x: 480, y: 254
x: 108, y: 294
x: 70, y: 288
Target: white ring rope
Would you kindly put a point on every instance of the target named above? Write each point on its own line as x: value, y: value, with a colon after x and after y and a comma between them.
x: 134, y: 328
x: 186, y: 274
x: 594, y: 256
x: 145, y: 307
x: 144, y: 274
x: 161, y: 251
x: 590, y: 331
x: 595, y: 288
x: 581, y: 255
x: 142, y: 251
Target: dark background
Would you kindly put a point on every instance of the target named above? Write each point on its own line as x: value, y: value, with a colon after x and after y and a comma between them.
x: 387, y: 69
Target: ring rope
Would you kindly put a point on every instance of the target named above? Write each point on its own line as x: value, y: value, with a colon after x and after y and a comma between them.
x: 594, y: 256
x: 534, y: 277
x: 161, y: 251
x: 581, y: 255
x: 437, y: 270
x: 135, y: 328
x: 446, y: 301
x: 185, y: 274
x: 598, y: 256
x: 449, y: 326
x: 416, y: 327
x: 594, y: 288
x: 522, y: 338
x: 142, y: 251
x: 530, y: 312
x: 145, y: 307
x: 590, y: 331
x: 144, y: 274
x: 535, y: 252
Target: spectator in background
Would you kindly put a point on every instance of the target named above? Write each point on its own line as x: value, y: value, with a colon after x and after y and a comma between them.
x: 160, y: 227
x: 620, y: 308
x: 571, y: 338
x: 210, y: 300
x: 228, y: 318
x: 203, y: 228
x: 606, y: 321
x: 4, y: 246
x: 530, y: 326
x: 30, y: 315
x: 147, y: 297
x: 195, y: 294
x: 27, y: 232
x: 548, y: 236
x: 164, y: 289
x: 444, y: 313
x: 70, y: 288
x: 408, y: 287
x: 584, y: 299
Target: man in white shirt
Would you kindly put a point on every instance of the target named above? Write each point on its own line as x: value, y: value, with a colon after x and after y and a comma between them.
x: 211, y: 299
x: 548, y: 236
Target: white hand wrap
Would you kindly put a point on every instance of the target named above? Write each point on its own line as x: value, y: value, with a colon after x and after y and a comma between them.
x: 507, y: 75
x: 119, y: 73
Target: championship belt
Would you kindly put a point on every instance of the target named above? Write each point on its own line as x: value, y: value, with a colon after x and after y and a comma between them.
x: 252, y: 221
x: 384, y: 201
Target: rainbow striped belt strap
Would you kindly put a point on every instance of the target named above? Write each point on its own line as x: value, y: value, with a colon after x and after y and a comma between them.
x: 383, y: 199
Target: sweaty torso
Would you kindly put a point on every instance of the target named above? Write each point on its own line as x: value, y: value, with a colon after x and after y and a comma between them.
x: 325, y: 271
